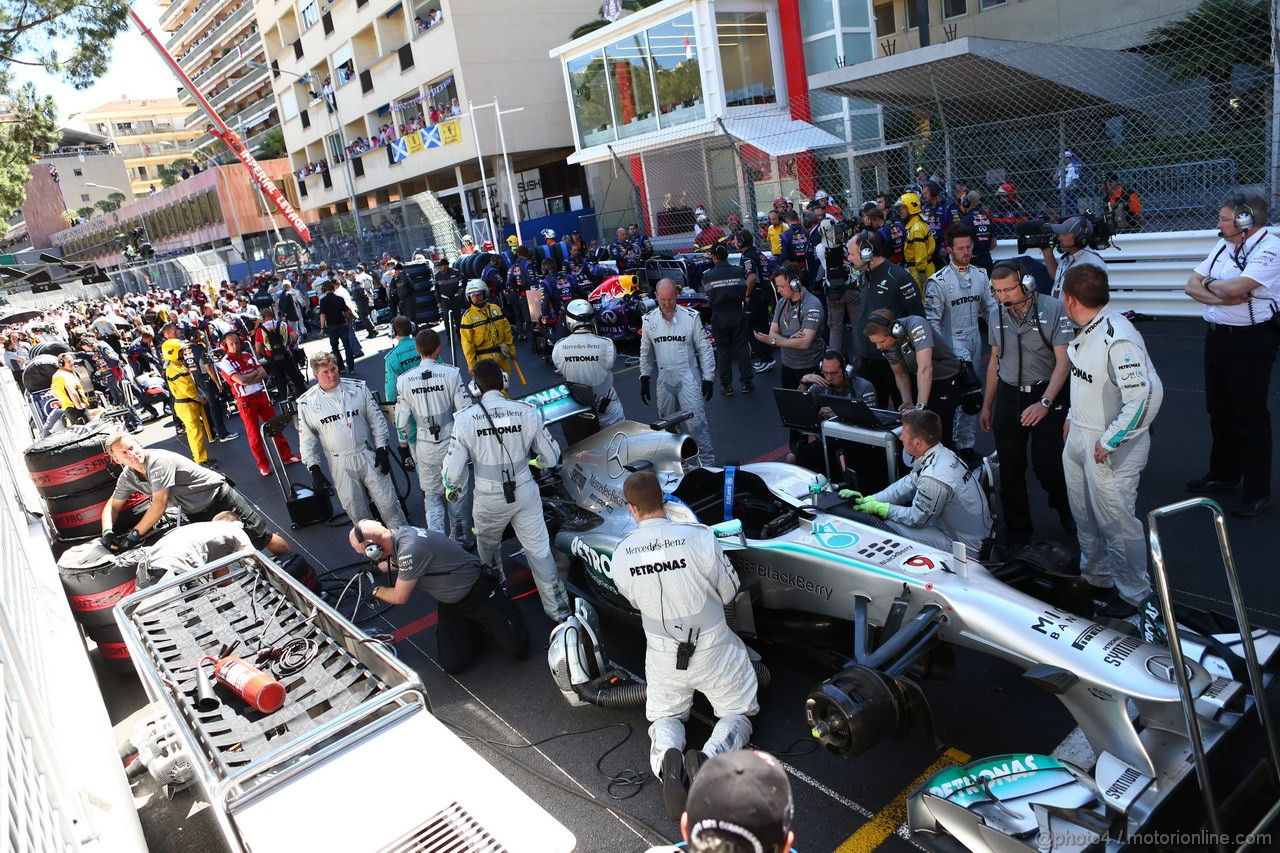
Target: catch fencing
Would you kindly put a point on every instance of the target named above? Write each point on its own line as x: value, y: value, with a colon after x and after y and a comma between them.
x: 398, y: 229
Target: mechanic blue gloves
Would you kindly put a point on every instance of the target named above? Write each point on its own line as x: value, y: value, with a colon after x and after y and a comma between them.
x: 645, y: 391
x: 871, y: 506
x: 849, y: 493
x: 383, y: 457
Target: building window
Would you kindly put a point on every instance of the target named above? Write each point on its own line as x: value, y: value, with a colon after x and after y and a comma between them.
x: 745, y: 58
x: 886, y: 23
x: 954, y: 8
x: 816, y: 16
x: 673, y: 49
x: 309, y: 14
x: 991, y: 4
x: 84, y: 196
x: 142, y: 171
x: 79, y: 173
x: 913, y: 22
x: 631, y: 86
x: 589, y: 88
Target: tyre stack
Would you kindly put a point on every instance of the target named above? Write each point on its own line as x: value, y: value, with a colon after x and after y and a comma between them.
x: 75, y: 479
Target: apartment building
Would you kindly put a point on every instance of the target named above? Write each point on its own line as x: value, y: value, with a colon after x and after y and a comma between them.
x: 77, y: 174
x: 373, y: 100
x: 147, y: 134
x: 217, y: 44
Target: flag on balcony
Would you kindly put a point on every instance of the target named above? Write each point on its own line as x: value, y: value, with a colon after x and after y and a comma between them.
x: 399, y: 150
x: 431, y: 136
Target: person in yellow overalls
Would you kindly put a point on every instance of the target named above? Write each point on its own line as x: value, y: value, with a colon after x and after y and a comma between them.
x: 919, y: 248
x: 484, y: 329
x: 187, y: 404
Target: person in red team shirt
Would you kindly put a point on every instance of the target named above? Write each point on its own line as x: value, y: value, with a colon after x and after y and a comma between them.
x: 244, y: 375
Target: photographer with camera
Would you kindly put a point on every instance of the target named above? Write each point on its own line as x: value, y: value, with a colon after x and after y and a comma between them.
x: 1075, y: 239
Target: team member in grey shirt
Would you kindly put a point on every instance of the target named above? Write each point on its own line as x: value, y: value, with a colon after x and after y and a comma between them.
x: 469, y: 599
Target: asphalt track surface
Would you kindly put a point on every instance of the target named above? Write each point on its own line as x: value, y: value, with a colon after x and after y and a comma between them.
x: 840, y: 804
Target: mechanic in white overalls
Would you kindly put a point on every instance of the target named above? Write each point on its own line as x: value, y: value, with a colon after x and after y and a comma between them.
x: 499, y: 437
x: 679, y: 579
x: 587, y: 358
x: 339, y: 421
x: 940, y: 501
x: 672, y: 338
x: 428, y: 396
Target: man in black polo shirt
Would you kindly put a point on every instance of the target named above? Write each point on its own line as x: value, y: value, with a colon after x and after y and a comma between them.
x: 469, y: 599
x: 883, y: 286
x: 726, y: 288
x: 335, y: 315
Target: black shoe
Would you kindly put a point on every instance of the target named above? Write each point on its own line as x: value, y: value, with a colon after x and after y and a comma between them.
x: 1118, y: 609
x: 969, y: 457
x: 1067, y: 521
x: 674, y: 792
x: 1248, y: 509
x: 748, y: 387
x: 1212, y: 483
x: 1104, y: 594
x: 726, y: 390
x: 693, y: 760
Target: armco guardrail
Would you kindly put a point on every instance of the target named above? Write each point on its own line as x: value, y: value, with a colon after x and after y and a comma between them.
x: 1149, y: 271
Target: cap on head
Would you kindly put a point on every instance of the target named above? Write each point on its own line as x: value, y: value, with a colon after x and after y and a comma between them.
x: 742, y: 795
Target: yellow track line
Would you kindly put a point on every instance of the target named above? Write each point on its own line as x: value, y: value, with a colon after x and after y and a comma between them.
x: 886, y: 821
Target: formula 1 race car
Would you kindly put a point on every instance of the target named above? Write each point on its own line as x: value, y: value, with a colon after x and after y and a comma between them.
x: 885, y: 610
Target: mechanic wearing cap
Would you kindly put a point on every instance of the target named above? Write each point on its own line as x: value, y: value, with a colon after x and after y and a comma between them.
x: 883, y: 286
x: 587, y: 358
x: 918, y: 250
x: 672, y: 338
x: 428, y: 396
x: 449, y: 295
x: 680, y: 580
x: 188, y: 405
x: 483, y: 329
x: 1073, y: 243
x: 743, y: 804
x: 165, y: 476
x: 1026, y: 396
x: 500, y: 437
x: 338, y: 420
x: 726, y: 287
x: 245, y: 376
x: 914, y: 350
x: 1239, y: 286
x: 469, y: 600
x: 940, y: 501
x: 1115, y: 395
x: 955, y: 298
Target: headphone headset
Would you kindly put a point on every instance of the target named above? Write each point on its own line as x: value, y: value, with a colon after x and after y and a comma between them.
x: 839, y: 356
x: 1244, y: 213
x: 372, y: 551
x: 1025, y: 280
x: 870, y: 244
x: 895, y: 327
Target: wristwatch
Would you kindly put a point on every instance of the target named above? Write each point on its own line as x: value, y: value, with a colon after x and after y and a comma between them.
x: 773, y: 341
x: 919, y: 405
x: 1046, y: 402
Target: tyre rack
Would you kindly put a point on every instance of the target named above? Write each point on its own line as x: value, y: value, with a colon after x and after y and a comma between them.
x: 1270, y: 764
x: 351, y: 689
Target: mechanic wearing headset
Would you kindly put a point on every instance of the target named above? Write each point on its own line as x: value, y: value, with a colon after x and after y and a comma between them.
x: 469, y: 600
x: 1026, y: 395
x: 884, y: 286
x: 1239, y: 286
x: 587, y: 358
x: 1073, y: 242
x: 428, y: 396
x: 338, y: 419
x: 955, y: 297
x: 1115, y: 394
x: 671, y: 336
x: 679, y: 579
x: 940, y: 501
x: 913, y: 349
x: 499, y: 437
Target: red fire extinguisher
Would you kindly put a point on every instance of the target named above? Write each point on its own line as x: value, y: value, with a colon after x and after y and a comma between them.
x: 248, y: 682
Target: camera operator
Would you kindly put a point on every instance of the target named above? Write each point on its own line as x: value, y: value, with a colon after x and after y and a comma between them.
x: 1073, y: 236
x: 1239, y: 286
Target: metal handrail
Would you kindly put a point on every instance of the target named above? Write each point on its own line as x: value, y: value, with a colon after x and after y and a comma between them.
x: 1180, y: 669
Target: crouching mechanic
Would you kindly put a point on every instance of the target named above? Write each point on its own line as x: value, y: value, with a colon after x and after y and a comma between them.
x: 587, y: 358
x: 469, y: 599
x: 339, y: 420
x: 498, y: 436
x: 428, y: 396
x: 202, y: 493
x: 679, y: 579
x: 940, y: 501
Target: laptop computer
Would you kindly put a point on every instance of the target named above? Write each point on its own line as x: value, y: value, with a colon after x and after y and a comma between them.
x: 798, y: 409
x: 853, y: 411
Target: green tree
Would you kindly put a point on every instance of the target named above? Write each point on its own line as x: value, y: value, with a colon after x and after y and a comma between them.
x: 30, y: 128
x: 118, y: 199
x: 85, y: 213
x: 106, y: 206
x: 602, y: 21
x: 272, y: 144
x: 1215, y: 37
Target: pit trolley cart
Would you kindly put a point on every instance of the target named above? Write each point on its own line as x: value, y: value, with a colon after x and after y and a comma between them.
x: 304, y: 505
x: 301, y: 778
